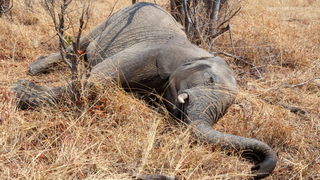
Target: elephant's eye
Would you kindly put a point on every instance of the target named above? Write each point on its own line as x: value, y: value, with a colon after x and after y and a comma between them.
x: 209, y: 81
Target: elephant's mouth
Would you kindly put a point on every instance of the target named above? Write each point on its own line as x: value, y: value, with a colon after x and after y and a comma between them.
x: 200, y: 103
x: 193, y: 104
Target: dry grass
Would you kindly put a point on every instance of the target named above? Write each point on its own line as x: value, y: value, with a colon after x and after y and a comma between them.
x: 120, y: 132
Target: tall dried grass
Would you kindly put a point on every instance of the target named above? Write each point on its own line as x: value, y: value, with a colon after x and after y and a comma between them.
x: 119, y: 132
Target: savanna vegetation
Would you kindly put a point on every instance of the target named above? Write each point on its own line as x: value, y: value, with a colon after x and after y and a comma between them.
x: 278, y: 73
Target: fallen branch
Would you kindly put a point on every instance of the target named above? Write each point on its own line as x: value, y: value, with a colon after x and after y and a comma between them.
x: 293, y: 109
x: 296, y: 85
x: 137, y: 176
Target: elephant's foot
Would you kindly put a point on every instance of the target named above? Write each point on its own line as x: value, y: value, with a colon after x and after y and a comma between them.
x: 31, y: 95
x: 43, y: 63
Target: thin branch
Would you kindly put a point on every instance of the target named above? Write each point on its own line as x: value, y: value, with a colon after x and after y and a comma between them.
x: 222, y: 30
x: 230, y: 33
x: 80, y: 29
x: 296, y: 85
x: 5, y: 13
x: 240, y: 59
x: 293, y: 109
x: 73, y: 10
x: 6, y: 9
x: 63, y: 51
x: 295, y: 75
x: 67, y: 3
x: 75, y: 60
x: 135, y: 175
x: 60, y: 30
x: 236, y: 57
x: 49, y: 10
x: 230, y: 17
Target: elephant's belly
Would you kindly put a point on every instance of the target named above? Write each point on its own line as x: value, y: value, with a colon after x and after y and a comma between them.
x: 111, y: 44
x: 134, y: 67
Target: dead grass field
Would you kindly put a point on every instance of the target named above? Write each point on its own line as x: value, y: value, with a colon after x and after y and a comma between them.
x: 119, y: 132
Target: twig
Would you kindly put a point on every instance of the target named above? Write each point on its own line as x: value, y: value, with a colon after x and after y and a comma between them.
x: 137, y: 176
x: 75, y: 60
x: 230, y: 33
x: 74, y: 54
x: 230, y: 17
x: 295, y: 110
x: 240, y: 59
x: 6, y: 8
x: 77, y: 45
x: 60, y: 30
x: 223, y: 30
x: 296, y: 85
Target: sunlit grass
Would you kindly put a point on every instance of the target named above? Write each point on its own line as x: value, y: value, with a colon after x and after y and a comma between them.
x: 118, y: 132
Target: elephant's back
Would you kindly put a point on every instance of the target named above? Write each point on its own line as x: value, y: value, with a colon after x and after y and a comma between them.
x: 141, y: 22
x: 143, y: 15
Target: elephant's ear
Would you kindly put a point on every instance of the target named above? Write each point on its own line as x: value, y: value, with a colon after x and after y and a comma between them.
x: 177, y: 51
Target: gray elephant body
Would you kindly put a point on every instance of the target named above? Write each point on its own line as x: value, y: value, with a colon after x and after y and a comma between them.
x: 143, y: 47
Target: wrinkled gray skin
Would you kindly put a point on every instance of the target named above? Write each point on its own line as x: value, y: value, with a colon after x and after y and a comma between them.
x: 143, y: 47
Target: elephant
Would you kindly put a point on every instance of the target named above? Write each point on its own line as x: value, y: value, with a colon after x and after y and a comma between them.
x: 143, y: 47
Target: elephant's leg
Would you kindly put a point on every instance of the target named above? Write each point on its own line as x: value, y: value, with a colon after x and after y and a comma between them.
x: 31, y: 95
x: 43, y: 62
x: 134, y: 67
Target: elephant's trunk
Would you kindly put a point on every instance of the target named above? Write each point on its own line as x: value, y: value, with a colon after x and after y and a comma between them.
x: 205, y: 108
x: 260, y: 150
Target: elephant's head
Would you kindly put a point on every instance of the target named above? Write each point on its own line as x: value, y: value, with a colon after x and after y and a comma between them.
x: 202, y: 90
